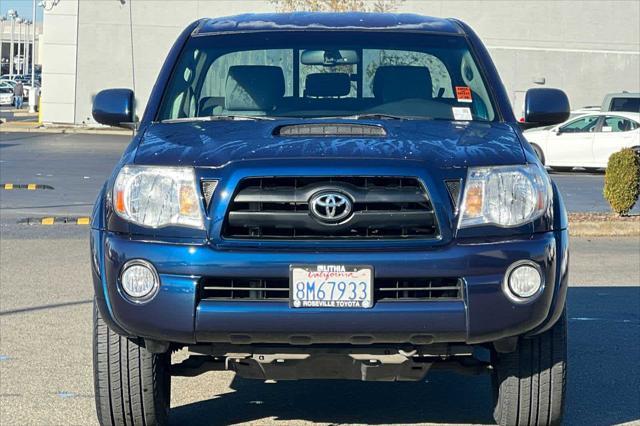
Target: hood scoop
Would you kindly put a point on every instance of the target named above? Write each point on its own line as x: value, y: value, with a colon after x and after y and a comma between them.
x: 330, y: 129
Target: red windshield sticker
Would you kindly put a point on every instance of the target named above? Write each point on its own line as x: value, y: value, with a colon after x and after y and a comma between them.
x: 463, y: 94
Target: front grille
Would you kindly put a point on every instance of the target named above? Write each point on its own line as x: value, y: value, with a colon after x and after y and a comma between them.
x: 245, y: 288
x: 385, y: 289
x: 418, y: 288
x: 277, y: 208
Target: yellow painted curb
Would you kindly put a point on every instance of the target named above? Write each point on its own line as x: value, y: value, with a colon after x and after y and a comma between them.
x: 59, y: 220
x: 27, y: 186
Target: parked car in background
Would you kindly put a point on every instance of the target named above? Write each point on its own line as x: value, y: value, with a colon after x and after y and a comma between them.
x: 586, y: 141
x: 624, y: 101
x: 6, y: 95
x: 27, y: 78
x: 8, y: 83
x: 584, y: 110
x: 329, y: 196
x: 27, y: 88
x: 13, y: 77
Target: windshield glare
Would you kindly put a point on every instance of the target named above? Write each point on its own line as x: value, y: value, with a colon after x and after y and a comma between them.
x: 327, y: 74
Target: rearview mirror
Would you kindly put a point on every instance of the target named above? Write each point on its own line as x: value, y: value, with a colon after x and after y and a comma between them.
x: 114, y: 107
x: 329, y: 57
x: 545, y: 107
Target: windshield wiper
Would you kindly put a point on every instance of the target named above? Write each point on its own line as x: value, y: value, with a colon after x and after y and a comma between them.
x: 383, y: 116
x: 218, y: 118
x: 379, y: 116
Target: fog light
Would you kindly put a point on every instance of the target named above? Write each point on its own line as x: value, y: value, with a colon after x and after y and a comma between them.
x: 524, y: 280
x: 139, y: 280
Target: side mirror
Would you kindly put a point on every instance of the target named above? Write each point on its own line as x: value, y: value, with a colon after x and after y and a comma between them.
x: 545, y: 107
x: 114, y: 107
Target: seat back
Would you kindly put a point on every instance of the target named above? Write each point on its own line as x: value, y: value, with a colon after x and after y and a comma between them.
x: 397, y: 82
x: 336, y: 84
x: 253, y: 88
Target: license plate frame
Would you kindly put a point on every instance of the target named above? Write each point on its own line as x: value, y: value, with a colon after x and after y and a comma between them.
x: 361, y: 275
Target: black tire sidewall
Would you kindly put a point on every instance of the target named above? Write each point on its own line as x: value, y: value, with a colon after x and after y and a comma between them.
x: 539, y: 153
x: 132, y: 385
x: 515, y: 378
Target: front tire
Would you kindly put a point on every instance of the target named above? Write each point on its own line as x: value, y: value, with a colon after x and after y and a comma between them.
x: 538, y: 152
x: 132, y: 385
x: 529, y: 384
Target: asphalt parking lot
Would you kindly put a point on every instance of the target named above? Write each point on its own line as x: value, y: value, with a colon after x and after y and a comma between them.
x: 45, y: 319
x: 76, y: 166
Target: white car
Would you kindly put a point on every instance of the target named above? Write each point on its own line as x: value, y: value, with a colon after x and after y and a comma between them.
x: 6, y: 96
x: 586, y: 141
x: 7, y: 84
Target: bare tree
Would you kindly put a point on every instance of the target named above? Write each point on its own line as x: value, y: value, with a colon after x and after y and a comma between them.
x: 336, y: 5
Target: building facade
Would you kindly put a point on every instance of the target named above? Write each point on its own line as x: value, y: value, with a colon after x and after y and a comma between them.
x: 23, y: 50
x: 587, y: 48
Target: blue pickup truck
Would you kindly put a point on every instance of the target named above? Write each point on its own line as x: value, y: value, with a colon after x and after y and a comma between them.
x: 329, y: 196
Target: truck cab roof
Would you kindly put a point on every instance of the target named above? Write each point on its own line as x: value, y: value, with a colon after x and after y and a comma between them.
x: 251, y: 22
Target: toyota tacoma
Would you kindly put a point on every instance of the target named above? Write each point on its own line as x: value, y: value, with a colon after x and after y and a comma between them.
x: 329, y: 196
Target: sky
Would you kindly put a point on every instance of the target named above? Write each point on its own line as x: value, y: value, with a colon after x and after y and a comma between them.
x: 22, y: 6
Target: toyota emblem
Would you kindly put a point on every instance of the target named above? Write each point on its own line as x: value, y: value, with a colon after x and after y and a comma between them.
x: 330, y: 206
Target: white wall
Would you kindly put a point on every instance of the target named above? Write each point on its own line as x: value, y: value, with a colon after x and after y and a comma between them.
x: 59, y: 62
x: 587, y: 48
x: 105, y: 42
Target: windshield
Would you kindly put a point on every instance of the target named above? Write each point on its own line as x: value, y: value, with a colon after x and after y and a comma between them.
x: 625, y: 104
x: 327, y: 74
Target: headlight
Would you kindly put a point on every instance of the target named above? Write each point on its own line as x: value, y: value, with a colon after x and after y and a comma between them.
x: 505, y: 196
x: 158, y: 196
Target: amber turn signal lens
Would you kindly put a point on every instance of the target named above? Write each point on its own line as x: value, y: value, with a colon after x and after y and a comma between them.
x: 120, y: 202
x: 188, y: 201
x: 473, y: 201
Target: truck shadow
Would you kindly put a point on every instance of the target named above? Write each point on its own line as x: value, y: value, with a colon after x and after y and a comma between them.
x: 603, y: 382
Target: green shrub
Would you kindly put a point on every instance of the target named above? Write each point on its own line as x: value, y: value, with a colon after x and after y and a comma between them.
x: 622, y: 180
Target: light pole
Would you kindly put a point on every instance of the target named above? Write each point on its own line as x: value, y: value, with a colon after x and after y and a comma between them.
x: 19, y: 22
x: 33, y: 93
x: 23, y: 46
x: 27, y: 47
x: 25, y: 65
x: 12, y: 14
x: 27, y: 44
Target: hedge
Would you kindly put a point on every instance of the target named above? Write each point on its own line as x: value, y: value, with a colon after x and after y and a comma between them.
x: 622, y: 180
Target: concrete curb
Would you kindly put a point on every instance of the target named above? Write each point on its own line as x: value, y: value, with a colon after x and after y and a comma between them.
x: 604, y: 229
x: 27, y: 186
x: 53, y: 220
x: 13, y: 127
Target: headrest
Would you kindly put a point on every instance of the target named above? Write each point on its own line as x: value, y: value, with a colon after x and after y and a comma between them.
x: 327, y: 84
x: 208, y: 105
x: 396, y: 82
x: 253, y: 87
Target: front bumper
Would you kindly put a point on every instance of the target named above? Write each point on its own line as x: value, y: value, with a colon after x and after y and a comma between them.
x: 485, y: 314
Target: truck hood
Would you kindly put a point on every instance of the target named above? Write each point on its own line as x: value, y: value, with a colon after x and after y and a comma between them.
x: 442, y: 144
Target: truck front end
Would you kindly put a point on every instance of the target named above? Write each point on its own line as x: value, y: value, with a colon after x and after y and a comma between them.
x: 311, y: 201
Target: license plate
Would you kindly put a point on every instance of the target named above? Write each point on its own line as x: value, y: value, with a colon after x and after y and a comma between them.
x: 331, y: 286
